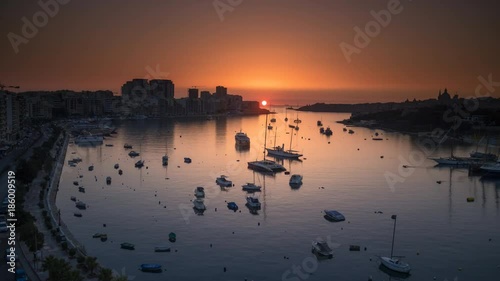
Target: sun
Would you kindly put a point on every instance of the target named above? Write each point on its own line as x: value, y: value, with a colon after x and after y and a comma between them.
x: 264, y: 103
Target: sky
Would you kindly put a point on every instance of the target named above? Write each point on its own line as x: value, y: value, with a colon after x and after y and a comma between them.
x: 285, y: 51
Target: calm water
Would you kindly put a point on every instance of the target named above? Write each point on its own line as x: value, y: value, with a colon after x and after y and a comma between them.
x: 438, y: 231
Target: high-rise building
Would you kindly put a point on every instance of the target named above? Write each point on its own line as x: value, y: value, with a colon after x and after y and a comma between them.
x: 205, y: 95
x: 193, y: 93
x: 220, y: 92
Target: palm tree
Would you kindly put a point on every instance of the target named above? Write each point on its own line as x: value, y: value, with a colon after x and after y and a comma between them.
x: 57, y: 268
x: 91, y: 264
x: 73, y: 275
x: 105, y: 275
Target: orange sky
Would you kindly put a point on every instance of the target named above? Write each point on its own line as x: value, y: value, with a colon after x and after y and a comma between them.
x: 261, y: 48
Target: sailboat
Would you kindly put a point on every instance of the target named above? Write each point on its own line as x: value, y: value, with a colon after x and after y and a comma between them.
x: 251, y: 186
x: 279, y: 151
x: 264, y: 165
x: 392, y: 262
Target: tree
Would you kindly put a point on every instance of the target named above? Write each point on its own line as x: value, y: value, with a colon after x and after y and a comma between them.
x: 91, y: 264
x: 121, y: 278
x: 73, y: 275
x: 105, y: 275
x: 57, y: 268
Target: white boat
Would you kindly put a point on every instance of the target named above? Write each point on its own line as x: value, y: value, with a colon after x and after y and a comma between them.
x: 117, y: 166
x: 251, y: 187
x: 223, y: 181
x: 266, y: 166
x: 199, y: 204
x: 242, y: 139
x: 457, y: 161
x: 392, y: 262
x: 321, y: 249
x: 295, y: 180
x: 280, y: 152
x: 89, y: 139
x: 493, y: 168
x: 139, y: 164
x: 164, y: 160
x: 108, y: 180
x: 253, y: 202
x: 199, y: 192
x: 133, y: 154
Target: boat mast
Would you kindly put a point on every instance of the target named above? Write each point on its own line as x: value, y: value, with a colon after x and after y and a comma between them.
x: 393, y: 234
x: 291, y: 136
x: 265, y: 138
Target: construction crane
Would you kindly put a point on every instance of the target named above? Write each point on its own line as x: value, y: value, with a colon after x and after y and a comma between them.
x: 2, y: 86
x: 196, y: 87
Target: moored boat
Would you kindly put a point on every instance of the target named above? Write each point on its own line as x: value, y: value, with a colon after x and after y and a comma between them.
x: 108, y: 180
x: 127, y: 146
x: 321, y: 249
x: 91, y: 167
x: 223, y: 181
x: 139, y: 164
x: 333, y: 215
x: 242, y: 139
x: 266, y: 166
x: 151, y: 267
x: 162, y: 249
x: 392, y: 262
x: 199, y: 204
x: 232, y: 206
x: 295, y: 180
x: 172, y: 237
x: 187, y: 160
x: 133, y: 154
x: 253, y: 202
x: 251, y: 187
x: 328, y: 131
x: 81, y: 205
x: 127, y: 246
x: 117, y: 166
x: 164, y: 160
x: 199, y: 192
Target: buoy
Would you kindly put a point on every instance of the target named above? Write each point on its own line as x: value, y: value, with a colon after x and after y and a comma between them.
x: 459, y: 269
x: 382, y: 156
x: 104, y: 224
x: 225, y: 269
x: 258, y: 223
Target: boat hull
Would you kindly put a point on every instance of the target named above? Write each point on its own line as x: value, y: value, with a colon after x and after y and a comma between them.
x: 395, y: 265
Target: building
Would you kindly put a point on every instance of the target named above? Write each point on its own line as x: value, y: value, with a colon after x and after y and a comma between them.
x: 220, y: 92
x: 10, y: 117
x: 193, y: 93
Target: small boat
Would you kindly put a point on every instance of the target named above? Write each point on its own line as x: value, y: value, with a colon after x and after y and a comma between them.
x: 483, y: 156
x: 295, y: 180
x: 198, y: 204
x: 269, y: 127
x: 222, y: 181
x: 164, y: 160
x: 297, y: 121
x: 108, y: 180
x: 321, y: 130
x: 80, y: 205
x: 273, y: 119
x: 492, y: 169
x: 253, y: 202
x: 109, y: 144
x: 319, y: 123
x: 117, y: 166
x: 172, y: 237
x: 127, y: 246
x: 344, y: 129
x: 351, y: 132
x: 77, y: 214
x: 97, y: 235
x: 377, y: 139
x: 104, y: 237
x: 199, y: 192
x: 139, y: 164
x: 120, y: 172
x: 73, y: 198
x: 251, y: 187
x: 321, y: 249
x: 162, y: 249
x: 296, y: 128
x: 291, y: 126
x: 127, y: 146
x: 75, y: 182
x: 187, y: 160
x: 242, y: 139
x: 91, y: 168
x: 376, y: 134
x: 328, y: 131
x: 81, y: 189
x: 392, y: 262
x: 266, y: 166
x: 232, y: 206
x: 133, y: 154
x: 151, y: 267
x: 72, y: 164
x: 333, y: 215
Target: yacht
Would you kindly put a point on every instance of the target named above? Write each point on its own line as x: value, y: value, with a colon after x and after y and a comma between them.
x: 491, y: 168
x: 164, y: 160
x: 199, y: 192
x: 251, y: 187
x: 321, y: 249
x: 266, y: 166
x: 295, y: 180
x: 198, y: 204
x: 117, y: 166
x: 108, y: 180
x: 89, y: 139
x: 133, y: 154
x: 280, y: 152
x: 484, y: 156
x: 222, y: 181
x: 127, y: 146
x: 242, y: 139
x: 139, y: 164
x: 253, y: 202
x: 328, y: 131
x: 456, y: 161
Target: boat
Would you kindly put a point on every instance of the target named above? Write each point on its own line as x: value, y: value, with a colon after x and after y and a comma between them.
x: 77, y: 214
x: 242, y: 139
x: 139, y: 164
x: 199, y: 204
x: 251, y: 187
x: 91, y: 167
x: 253, y: 202
x: 321, y: 130
x: 80, y: 205
x: 104, y: 237
x: 295, y: 180
x: 333, y: 215
x: 266, y: 166
x: 280, y: 152
x: 493, y: 168
x: 109, y: 144
x: 88, y: 139
x: 187, y: 160
x: 351, y: 132
x: 199, y: 192
x: 73, y: 198
x: 296, y: 128
x: 344, y: 129
x: 133, y: 154
x: 232, y: 206
x: 297, y: 121
x: 120, y: 172
x: 75, y: 183
x: 484, y: 156
x: 454, y: 161
x: 117, y: 166
x: 151, y: 267
x: 319, y: 123
x: 164, y: 160
x: 162, y: 249
x: 377, y: 139
x: 81, y: 189
x: 172, y: 237
x: 127, y: 246
x: 328, y: 131
x: 273, y: 120
x: 222, y: 181
x: 269, y: 127
x: 127, y: 146
x: 97, y: 235
x: 108, y: 180
x: 321, y: 249
x: 392, y: 262
x: 291, y: 126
